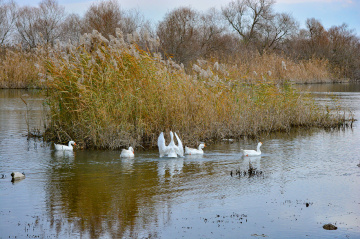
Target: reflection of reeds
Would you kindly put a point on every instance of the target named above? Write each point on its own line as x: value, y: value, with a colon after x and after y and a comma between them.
x: 107, y: 94
x: 250, y: 172
x: 26, y: 115
x: 35, y: 132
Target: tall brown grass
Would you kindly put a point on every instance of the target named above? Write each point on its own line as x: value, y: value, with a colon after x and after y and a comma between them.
x: 108, y: 94
x: 18, y: 69
x: 272, y: 67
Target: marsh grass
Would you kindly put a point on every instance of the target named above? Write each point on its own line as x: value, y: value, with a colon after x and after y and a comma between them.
x: 251, y: 67
x: 110, y: 94
x: 18, y: 69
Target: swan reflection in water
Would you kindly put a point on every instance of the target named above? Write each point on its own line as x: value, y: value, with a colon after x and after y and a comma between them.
x: 254, y: 160
x: 127, y: 164
x: 64, y: 154
x: 172, y: 166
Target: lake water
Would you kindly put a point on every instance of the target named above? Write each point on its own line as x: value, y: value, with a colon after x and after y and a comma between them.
x: 310, y: 178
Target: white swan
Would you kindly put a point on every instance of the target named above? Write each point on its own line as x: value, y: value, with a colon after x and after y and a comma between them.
x: 252, y: 152
x: 64, y: 147
x: 171, y: 150
x: 127, y: 153
x: 192, y: 151
x: 17, y: 176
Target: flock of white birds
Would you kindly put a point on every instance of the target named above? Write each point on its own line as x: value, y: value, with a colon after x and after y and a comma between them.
x: 171, y: 150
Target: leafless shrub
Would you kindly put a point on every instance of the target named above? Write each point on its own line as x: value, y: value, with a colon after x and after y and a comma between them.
x: 8, y: 14
x: 106, y: 16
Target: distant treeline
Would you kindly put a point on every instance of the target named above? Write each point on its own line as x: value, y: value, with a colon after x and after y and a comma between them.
x: 239, y: 30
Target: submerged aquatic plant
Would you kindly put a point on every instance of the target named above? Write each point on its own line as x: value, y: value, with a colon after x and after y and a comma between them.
x: 109, y: 94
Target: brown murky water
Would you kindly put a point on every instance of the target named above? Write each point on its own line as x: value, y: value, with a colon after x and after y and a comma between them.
x: 310, y: 178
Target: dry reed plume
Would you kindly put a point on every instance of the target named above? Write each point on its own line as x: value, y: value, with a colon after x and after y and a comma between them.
x: 109, y: 94
x: 271, y: 67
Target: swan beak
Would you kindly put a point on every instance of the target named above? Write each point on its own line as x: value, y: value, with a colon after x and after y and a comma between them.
x: 74, y: 143
x: 204, y: 145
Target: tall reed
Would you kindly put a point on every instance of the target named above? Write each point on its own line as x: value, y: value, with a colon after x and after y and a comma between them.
x: 18, y: 69
x: 252, y: 67
x: 110, y: 94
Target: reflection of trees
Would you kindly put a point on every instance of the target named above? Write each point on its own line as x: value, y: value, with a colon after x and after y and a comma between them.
x: 101, y: 198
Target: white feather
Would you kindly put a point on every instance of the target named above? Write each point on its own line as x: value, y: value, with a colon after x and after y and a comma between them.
x: 65, y: 147
x: 17, y: 176
x: 127, y: 153
x: 192, y: 151
x: 172, y: 150
x: 252, y: 152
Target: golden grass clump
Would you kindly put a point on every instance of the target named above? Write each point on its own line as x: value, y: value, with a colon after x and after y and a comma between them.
x: 271, y: 67
x: 18, y: 69
x: 110, y: 94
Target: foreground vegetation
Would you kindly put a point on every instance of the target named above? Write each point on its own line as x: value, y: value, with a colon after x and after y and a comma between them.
x: 212, y: 75
x: 110, y: 94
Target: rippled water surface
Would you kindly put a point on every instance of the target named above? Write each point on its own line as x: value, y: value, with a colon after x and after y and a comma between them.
x: 309, y: 178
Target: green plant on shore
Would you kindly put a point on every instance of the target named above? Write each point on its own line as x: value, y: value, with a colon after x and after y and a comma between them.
x: 109, y: 94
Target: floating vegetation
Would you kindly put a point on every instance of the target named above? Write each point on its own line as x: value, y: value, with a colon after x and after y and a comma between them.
x: 330, y: 226
x: 222, y: 219
x: 250, y: 172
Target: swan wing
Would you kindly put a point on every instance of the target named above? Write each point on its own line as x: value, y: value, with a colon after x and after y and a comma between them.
x: 187, y: 150
x: 60, y: 147
x: 57, y: 146
x: 250, y: 153
x: 127, y: 153
x: 124, y: 153
x: 179, y: 149
x: 163, y: 149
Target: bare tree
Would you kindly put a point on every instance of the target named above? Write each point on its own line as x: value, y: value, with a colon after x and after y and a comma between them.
x: 212, y: 34
x: 26, y: 25
x: 275, y: 30
x: 345, y: 50
x: 132, y: 21
x: 8, y: 14
x: 179, y: 36
x: 106, y: 16
x: 309, y: 42
x: 71, y: 28
x: 49, y: 22
x: 247, y: 16
x: 40, y: 25
x: 318, y: 40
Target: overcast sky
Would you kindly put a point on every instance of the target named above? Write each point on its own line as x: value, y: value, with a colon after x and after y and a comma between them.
x: 329, y: 12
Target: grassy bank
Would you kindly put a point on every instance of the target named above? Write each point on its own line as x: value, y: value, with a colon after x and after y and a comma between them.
x: 110, y: 94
